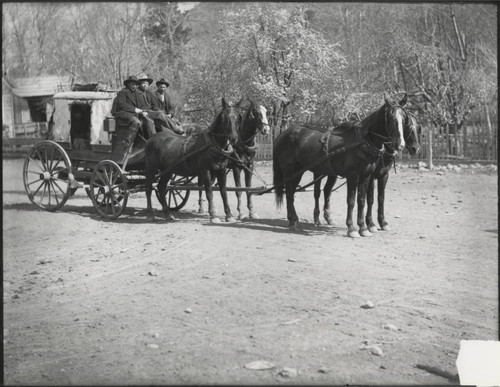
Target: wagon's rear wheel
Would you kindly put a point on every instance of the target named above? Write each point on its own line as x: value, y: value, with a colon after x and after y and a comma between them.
x: 108, y: 189
x: 176, y: 199
x: 47, y: 175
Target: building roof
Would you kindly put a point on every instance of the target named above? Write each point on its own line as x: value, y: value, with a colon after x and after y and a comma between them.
x: 41, y: 86
x: 76, y: 95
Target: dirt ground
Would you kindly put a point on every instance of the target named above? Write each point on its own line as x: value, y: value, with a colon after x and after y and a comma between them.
x: 90, y: 301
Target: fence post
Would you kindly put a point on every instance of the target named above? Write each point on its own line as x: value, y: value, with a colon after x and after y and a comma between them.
x: 465, y: 129
x: 429, y: 147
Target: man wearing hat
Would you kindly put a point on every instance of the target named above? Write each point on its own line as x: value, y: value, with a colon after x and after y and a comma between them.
x: 149, y: 102
x: 163, y: 102
x: 162, y: 98
x: 126, y: 108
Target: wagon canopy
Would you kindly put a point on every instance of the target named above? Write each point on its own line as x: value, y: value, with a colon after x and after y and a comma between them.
x: 100, y: 107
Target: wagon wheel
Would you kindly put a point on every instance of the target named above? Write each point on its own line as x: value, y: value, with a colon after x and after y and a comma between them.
x: 108, y: 189
x: 176, y: 199
x: 47, y: 175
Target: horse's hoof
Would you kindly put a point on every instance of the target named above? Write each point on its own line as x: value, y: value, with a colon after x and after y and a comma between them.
x: 170, y: 217
x: 385, y: 227
x: 329, y: 220
x: 230, y: 220
x: 150, y: 218
x: 254, y: 215
x: 215, y: 220
x: 317, y: 223
x: 365, y: 233
x: 353, y: 234
x: 241, y: 217
x: 373, y: 229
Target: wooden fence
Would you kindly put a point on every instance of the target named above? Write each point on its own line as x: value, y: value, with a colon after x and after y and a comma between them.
x: 472, y: 143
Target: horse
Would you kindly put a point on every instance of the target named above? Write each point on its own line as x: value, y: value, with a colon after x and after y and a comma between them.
x: 204, y: 155
x: 381, y: 174
x: 249, y: 124
x: 254, y: 121
x: 350, y: 150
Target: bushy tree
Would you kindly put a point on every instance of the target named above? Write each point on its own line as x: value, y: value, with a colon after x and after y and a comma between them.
x: 270, y: 54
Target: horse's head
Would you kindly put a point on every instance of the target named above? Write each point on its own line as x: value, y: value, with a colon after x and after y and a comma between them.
x: 395, y: 117
x: 257, y: 114
x: 411, y: 131
x: 226, y: 122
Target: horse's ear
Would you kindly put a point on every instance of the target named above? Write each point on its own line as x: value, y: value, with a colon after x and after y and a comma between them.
x: 224, y: 103
x: 388, y: 99
x: 403, y: 100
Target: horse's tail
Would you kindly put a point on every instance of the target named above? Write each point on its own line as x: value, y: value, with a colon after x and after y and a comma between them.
x: 278, y: 180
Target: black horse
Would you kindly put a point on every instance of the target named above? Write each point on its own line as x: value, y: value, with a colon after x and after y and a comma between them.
x: 250, y: 123
x: 380, y: 174
x: 204, y: 155
x: 351, y: 150
x: 254, y: 121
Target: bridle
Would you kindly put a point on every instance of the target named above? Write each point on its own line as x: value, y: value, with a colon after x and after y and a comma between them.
x: 213, y: 135
x: 388, y: 140
x: 260, y: 129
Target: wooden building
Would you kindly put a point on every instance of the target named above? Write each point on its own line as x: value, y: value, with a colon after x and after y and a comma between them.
x: 25, y: 102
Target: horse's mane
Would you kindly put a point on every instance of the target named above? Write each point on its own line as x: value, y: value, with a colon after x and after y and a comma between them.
x: 371, y: 116
x: 216, y: 122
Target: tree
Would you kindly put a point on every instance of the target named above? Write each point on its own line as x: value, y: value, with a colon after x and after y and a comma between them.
x: 271, y: 54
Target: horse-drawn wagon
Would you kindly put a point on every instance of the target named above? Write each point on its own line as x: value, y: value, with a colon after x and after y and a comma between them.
x: 86, y: 148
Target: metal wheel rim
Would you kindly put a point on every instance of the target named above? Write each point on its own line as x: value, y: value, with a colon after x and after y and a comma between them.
x: 108, y: 189
x: 45, y: 175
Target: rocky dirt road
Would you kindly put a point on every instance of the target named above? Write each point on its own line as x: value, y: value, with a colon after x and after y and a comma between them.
x: 89, y: 301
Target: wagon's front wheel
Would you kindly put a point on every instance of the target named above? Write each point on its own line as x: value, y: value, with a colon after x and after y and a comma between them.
x: 47, y: 175
x: 176, y: 199
x: 108, y: 189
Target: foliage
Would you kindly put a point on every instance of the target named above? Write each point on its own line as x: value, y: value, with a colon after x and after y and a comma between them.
x: 318, y: 61
x: 269, y: 54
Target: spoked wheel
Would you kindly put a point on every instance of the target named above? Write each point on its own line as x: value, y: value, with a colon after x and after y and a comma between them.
x: 176, y: 199
x: 108, y: 189
x: 47, y: 175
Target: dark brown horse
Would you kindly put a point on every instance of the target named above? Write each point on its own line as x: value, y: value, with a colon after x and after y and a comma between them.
x: 351, y: 150
x: 204, y: 155
x: 250, y: 123
x: 380, y: 174
x: 253, y: 121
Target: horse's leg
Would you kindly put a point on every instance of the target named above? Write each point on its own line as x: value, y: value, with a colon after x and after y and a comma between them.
x: 207, y: 182
x: 149, y: 188
x: 317, y: 194
x: 369, y: 207
x: 221, y: 179
x: 162, y: 185
x: 201, y: 209
x: 248, y: 183
x: 237, y: 183
x: 362, y: 187
x: 290, y: 188
x: 382, y: 182
x: 327, y: 193
x: 352, y: 185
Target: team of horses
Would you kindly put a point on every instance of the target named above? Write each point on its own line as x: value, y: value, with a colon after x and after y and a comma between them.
x: 362, y: 152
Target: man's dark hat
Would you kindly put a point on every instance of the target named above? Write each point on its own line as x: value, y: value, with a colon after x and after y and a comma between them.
x: 144, y: 77
x: 131, y: 78
x: 162, y: 81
